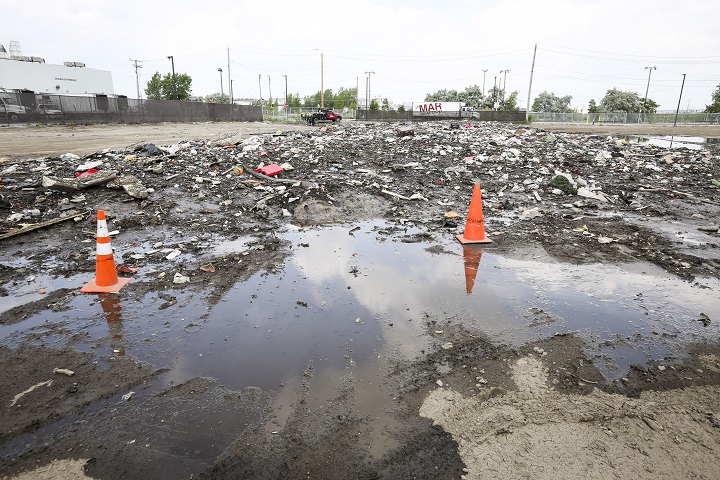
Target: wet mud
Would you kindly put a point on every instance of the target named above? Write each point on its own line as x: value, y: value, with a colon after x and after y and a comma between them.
x: 329, y: 325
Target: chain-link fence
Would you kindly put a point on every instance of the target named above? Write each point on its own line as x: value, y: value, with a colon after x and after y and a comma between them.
x: 30, y: 107
x: 620, y: 117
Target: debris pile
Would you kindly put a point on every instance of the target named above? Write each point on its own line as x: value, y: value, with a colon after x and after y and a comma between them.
x: 583, y: 197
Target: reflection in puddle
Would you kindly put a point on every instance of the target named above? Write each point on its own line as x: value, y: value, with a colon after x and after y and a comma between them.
x: 113, y: 315
x: 472, y: 255
x: 670, y: 141
x: 343, y: 306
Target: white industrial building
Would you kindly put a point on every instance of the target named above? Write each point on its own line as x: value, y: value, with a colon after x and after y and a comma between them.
x: 18, y: 72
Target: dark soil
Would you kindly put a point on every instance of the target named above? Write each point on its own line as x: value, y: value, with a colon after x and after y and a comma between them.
x: 645, y: 201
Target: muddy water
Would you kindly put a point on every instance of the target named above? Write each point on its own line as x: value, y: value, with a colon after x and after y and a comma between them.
x: 363, y: 296
x: 349, y: 299
x: 672, y: 141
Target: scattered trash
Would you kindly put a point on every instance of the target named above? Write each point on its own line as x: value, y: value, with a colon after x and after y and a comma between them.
x: 180, y: 279
x: 150, y: 150
x: 17, y: 397
x: 270, y: 170
x: 128, y: 396
x: 74, y: 184
x: 63, y: 371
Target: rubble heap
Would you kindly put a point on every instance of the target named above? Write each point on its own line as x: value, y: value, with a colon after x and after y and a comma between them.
x: 583, y: 197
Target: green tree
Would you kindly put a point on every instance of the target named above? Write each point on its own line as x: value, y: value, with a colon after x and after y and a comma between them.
x: 509, y: 103
x: 401, y: 108
x: 472, y: 96
x: 153, y: 91
x: 169, y: 88
x: 293, y: 100
x: 592, y: 107
x: 314, y: 100
x: 374, y: 105
x: 492, y: 100
x: 385, y: 105
x: 549, y: 102
x: 714, y: 107
x: 443, y: 96
x: 648, y: 106
x: 214, y: 98
x: 619, y: 101
x: 346, y: 97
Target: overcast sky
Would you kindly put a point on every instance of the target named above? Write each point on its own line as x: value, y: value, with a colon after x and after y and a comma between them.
x: 584, y: 47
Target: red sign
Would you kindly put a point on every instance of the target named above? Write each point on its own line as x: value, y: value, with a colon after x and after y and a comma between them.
x: 287, y: 106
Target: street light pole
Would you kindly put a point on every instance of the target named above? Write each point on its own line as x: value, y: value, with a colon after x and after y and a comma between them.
x: 270, y: 91
x: 222, y: 93
x: 172, y: 62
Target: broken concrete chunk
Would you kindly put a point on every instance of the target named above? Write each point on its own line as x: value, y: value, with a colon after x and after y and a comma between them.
x: 133, y: 187
x: 74, y: 184
x: 405, y: 132
x: 69, y: 157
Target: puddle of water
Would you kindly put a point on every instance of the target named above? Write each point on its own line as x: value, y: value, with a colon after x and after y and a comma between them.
x: 343, y: 304
x: 668, y: 141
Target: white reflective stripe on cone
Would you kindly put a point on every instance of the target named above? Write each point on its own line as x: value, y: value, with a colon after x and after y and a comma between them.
x: 102, y: 229
x: 104, y: 249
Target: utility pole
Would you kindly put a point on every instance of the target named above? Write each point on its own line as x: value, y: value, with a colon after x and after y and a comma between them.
x: 495, y: 93
x: 484, y: 71
x: 504, y: 82
x: 368, y: 99
x: 260, y: 87
x: 230, y: 81
x: 286, y: 103
x: 172, y: 61
x: 270, y: 90
x: 322, y: 79
x: 679, y: 99
x: 137, y: 77
x: 532, y: 69
x: 366, y: 82
x: 648, y: 86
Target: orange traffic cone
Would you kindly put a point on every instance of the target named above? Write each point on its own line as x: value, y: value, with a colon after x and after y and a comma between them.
x: 475, y: 225
x: 471, y: 255
x: 106, y: 279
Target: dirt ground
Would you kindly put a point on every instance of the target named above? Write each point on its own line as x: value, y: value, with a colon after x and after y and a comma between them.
x: 543, y: 410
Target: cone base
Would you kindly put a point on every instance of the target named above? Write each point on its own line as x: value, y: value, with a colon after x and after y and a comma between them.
x: 92, y: 287
x: 465, y: 241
